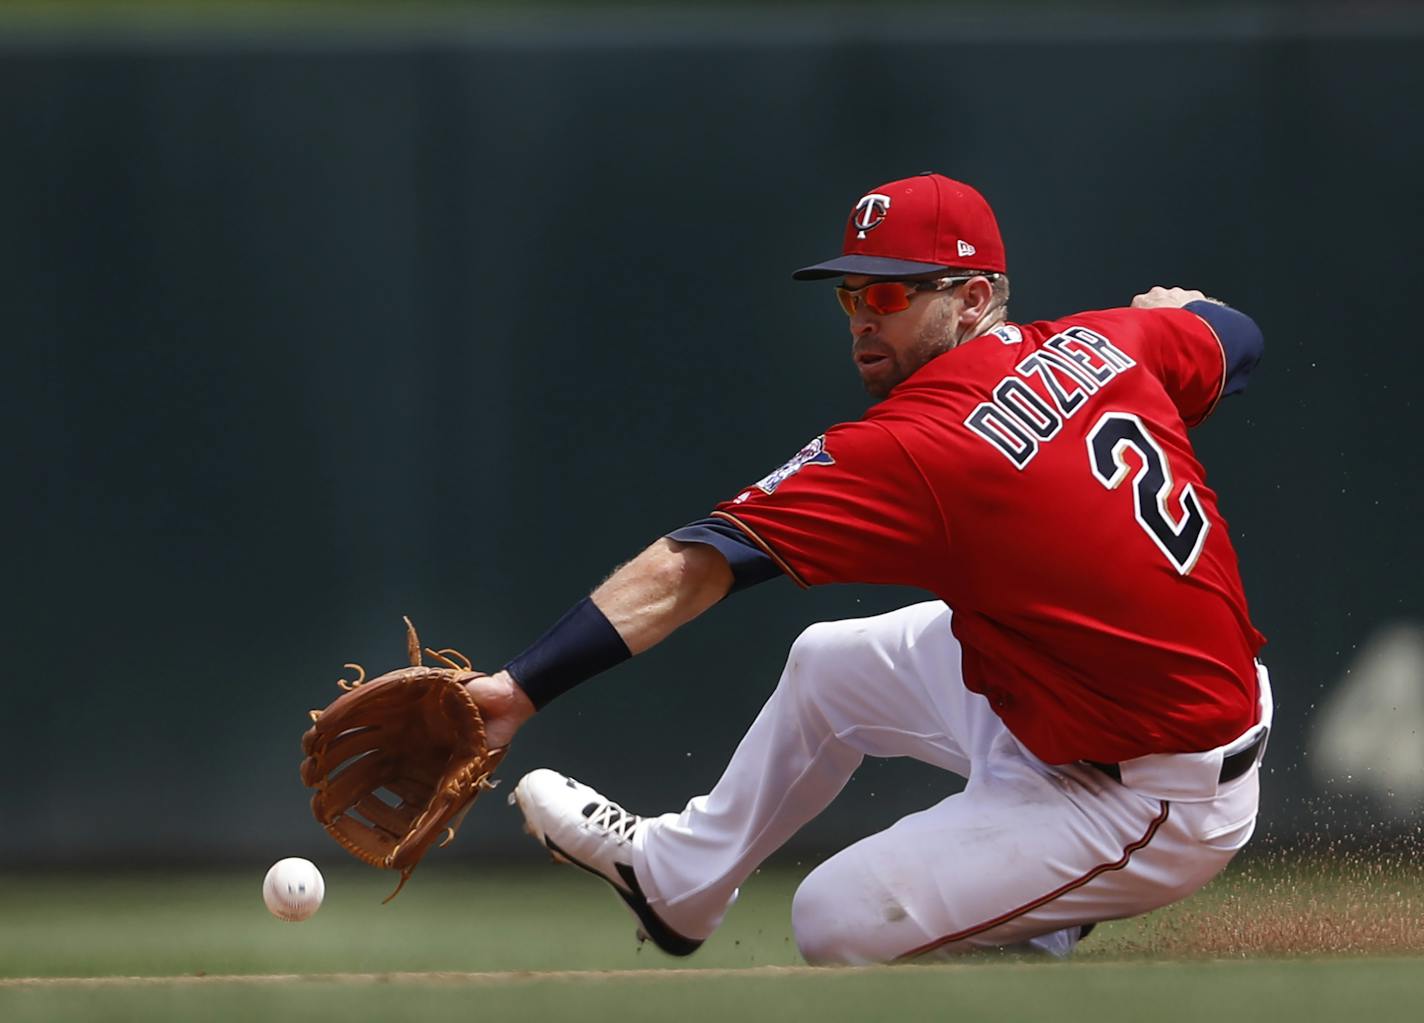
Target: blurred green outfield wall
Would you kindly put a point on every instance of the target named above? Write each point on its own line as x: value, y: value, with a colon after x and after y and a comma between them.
x: 310, y: 328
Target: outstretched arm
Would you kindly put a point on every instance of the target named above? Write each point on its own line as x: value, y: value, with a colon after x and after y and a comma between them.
x: 645, y: 601
x: 661, y: 590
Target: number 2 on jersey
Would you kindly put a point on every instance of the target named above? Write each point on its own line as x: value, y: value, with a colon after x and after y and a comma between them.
x: 1181, y: 541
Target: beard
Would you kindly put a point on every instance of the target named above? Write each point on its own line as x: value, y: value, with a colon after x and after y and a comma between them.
x: 934, y: 339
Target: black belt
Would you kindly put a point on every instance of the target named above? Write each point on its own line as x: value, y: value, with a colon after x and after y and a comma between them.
x: 1232, y: 767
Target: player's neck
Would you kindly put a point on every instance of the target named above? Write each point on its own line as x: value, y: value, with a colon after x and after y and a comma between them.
x: 990, y: 320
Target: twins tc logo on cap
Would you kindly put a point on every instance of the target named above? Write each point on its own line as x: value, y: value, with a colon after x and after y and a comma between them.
x: 870, y: 212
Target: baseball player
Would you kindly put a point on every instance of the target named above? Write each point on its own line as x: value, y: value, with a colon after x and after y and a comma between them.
x: 1088, y: 664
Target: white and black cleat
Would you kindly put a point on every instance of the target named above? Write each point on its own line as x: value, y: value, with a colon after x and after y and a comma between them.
x: 579, y: 826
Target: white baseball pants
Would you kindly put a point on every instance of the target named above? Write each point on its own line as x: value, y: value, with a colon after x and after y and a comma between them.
x: 1024, y: 855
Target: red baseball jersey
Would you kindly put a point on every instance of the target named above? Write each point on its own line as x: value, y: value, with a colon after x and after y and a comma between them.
x: 1039, y: 480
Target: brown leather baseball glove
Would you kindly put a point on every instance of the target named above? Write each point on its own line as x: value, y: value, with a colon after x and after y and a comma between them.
x: 397, y: 760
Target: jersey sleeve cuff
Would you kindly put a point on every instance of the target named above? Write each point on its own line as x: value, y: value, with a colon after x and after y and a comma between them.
x: 750, y: 564
x: 1241, y: 343
x: 766, y: 548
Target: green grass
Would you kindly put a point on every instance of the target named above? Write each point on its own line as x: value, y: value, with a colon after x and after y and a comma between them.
x: 1373, y: 990
x: 560, y: 947
x: 448, y: 918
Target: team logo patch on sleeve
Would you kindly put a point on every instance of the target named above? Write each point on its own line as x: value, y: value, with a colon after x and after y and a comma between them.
x: 814, y: 453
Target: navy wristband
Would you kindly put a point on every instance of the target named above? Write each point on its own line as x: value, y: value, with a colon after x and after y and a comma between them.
x: 574, y: 649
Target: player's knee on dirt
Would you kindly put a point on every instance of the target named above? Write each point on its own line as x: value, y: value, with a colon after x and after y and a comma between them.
x: 828, y: 927
x: 813, y: 922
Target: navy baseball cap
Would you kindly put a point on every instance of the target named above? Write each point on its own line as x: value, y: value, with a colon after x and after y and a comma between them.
x: 913, y: 226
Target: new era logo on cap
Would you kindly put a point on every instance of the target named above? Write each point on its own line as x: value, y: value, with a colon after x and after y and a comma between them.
x: 913, y: 226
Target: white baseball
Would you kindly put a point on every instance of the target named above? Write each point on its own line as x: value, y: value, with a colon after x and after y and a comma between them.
x: 293, y: 889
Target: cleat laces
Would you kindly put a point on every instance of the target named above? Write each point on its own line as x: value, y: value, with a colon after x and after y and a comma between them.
x: 613, y: 820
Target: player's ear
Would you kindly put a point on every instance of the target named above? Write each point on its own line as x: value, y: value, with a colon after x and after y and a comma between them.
x: 977, y: 294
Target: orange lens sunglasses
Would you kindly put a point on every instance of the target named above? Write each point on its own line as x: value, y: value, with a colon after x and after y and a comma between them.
x: 885, y: 297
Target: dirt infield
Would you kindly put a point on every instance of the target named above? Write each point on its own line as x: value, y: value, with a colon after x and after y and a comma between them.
x: 1288, y: 903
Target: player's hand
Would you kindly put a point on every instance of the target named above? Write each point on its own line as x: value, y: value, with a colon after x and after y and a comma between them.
x: 504, y: 705
x: 1167, y: 298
